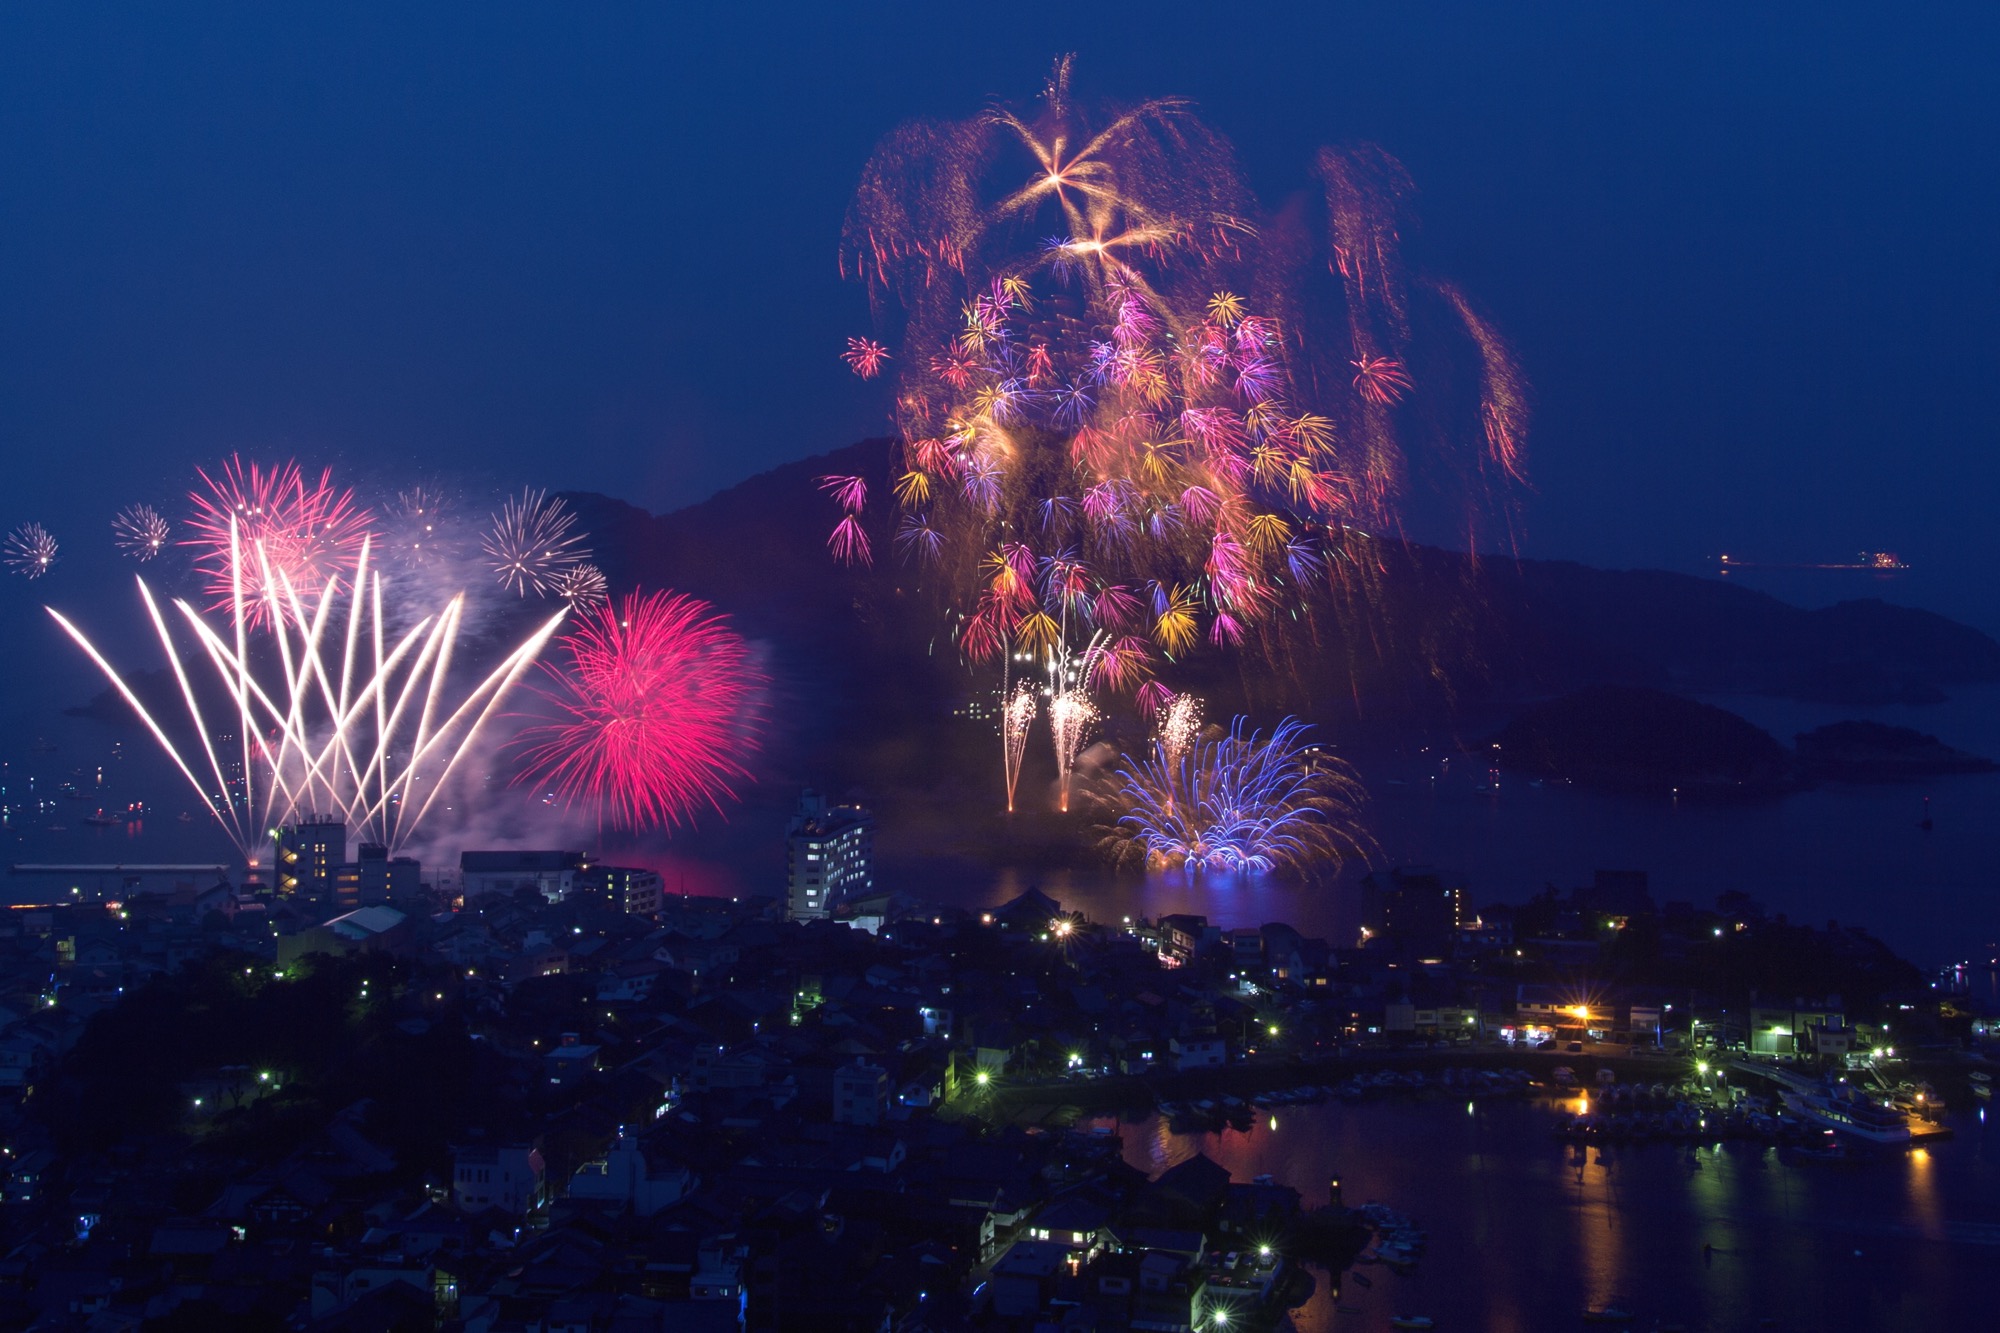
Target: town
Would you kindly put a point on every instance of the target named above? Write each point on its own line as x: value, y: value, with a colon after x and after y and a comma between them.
x: 536, y: 1092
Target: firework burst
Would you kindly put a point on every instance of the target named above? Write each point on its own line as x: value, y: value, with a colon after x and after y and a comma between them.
x: 533, y: 543
x: 140, y: 532
x: 263, y: 535
x: 657, y: 713
x: 30, y: 550
x: 1241, y: 802
x: 418, y: 531
x: 1110, y: 364
x: 582, y: 586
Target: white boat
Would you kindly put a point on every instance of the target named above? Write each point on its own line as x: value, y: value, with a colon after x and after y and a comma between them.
x: 1851, y: 1116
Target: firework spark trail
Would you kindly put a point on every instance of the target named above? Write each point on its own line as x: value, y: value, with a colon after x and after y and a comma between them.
x: 311, y: 532
x: 306, y: 742
x: 140, y: 531
x: 1017, y: 718
x: 30, y: 550
x: 1240, y: 803
x: 657, y: 709
x: 533, y: 543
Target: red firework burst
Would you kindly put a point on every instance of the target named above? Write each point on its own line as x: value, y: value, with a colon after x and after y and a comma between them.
x: 657, y: 703
x: 865, y: 357
x: 289, y: 531
x: 1382, y: 379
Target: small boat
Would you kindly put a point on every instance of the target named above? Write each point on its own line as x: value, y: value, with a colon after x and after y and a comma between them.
x: 1411, y: 1321
x: 102, y: 820
x: 1606, y: 1314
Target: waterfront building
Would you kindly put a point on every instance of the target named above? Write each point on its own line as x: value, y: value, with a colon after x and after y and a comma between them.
x: 830, y: 856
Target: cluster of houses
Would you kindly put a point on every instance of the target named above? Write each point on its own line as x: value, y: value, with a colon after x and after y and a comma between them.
x: 708, y: 1115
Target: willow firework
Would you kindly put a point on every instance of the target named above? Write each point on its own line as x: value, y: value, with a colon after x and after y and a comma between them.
x: 657, y: 710
x: 291, y: 532
x: 30, y: 550
x: 1240, y: 802
x: 140, y: 532
x: 1112, y: 370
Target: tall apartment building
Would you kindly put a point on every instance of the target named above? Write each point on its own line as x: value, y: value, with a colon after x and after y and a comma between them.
x: 309, y: 851
x: 830, y: 855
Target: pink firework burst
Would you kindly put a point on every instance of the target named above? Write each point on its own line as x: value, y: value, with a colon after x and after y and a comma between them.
x: 865, y: 357
x: 290, y: 533
x: 657, y: 703
x: 1382, y: 379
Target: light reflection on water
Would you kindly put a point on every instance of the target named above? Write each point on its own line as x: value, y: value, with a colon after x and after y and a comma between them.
x: 1526, y: 1232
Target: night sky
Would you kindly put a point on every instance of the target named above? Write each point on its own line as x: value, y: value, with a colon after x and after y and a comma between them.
x: 1746, y: 253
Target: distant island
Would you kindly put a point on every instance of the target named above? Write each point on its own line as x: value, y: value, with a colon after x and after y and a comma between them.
x: 1632, y: 738
x: 1877, y: 752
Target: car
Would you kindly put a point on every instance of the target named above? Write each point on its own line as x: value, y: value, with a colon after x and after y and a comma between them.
x: 1574, y: 1048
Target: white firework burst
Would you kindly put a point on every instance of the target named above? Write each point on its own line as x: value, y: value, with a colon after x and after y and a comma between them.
x: 30, y: 550
x: 140, y: 531
x: 534, y: 543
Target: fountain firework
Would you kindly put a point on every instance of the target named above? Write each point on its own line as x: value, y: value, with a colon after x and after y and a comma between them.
x: 1017, y: 716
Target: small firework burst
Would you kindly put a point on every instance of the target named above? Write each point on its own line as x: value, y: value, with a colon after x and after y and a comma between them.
x: 30, y: 550
x: 533, y: 543
x: 865, y: 357
x: 140, y: 531
x: 417, y: 532
x: 1382, y: 380
x: 582, y: 586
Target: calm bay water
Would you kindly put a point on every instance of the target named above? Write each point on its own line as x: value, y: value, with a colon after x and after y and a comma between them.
x: 1525, y: 1232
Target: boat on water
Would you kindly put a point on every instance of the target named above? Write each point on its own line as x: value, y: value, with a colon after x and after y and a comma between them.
x: 1852, y: 1116
x: 102, y: 820
x: 1412, y: 1321
x: 1607, y: 1314
x: 1982, y: 1085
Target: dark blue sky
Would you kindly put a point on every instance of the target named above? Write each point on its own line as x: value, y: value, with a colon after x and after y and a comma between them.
x: 1747, y: 253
